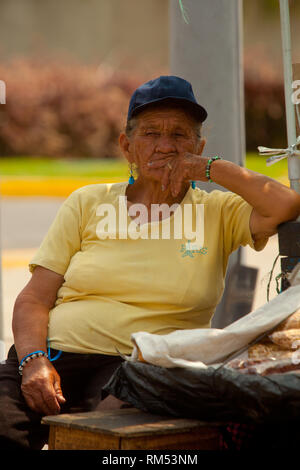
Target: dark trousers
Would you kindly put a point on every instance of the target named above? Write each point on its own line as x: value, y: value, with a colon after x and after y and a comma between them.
x: 82, y: 378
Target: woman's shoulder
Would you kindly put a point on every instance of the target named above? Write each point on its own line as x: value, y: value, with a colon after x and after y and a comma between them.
x: 96, y: 193
x: 215, y: 197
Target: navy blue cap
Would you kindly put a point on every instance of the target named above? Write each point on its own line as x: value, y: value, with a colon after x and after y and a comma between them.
x: 169, y: 89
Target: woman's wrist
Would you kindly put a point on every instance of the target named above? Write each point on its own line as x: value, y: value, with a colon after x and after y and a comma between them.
x: 28, y: 358
x: 208, y: 167
x: 202, y: 168
x: 36, y: 353
x: 25, y: 346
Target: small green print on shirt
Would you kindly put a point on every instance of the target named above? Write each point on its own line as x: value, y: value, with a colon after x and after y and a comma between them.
x: 188, y: 249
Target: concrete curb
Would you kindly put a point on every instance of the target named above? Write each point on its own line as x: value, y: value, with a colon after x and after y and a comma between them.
x: 17, y: 258
x: 58, y: 187
x: 47, y: 186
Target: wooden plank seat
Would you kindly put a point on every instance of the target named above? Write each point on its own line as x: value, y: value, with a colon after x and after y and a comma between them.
x: 129, y: 429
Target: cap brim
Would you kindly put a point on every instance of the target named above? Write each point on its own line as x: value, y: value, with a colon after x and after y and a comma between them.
x: 198, y: 110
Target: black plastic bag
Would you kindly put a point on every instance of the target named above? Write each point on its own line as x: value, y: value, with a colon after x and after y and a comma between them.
x: 223, y: 395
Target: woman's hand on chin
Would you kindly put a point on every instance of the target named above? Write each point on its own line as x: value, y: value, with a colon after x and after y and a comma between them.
x: 180, y: 170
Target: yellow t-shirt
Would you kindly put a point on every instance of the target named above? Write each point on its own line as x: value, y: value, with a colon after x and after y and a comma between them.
x: 114, y: 287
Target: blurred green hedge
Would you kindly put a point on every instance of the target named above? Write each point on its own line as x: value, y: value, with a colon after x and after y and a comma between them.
x: 71, y: 110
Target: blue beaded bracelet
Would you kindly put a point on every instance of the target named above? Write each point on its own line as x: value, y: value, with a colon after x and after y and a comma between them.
x: 29, y: 357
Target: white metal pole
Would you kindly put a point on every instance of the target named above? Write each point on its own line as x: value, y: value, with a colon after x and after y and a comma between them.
x: 293, y: 161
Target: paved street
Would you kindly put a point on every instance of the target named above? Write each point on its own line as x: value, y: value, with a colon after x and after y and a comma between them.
x: 24, y: 222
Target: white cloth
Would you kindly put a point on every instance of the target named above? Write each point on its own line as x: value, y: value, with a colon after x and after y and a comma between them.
x: 199, y: 348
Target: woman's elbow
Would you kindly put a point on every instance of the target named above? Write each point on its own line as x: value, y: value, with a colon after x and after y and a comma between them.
x: 291, y: 209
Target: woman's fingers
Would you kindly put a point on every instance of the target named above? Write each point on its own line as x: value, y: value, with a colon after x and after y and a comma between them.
x: 58, y: 391
x: 42, y: 400
x: 165, y: 178
x: 33, y: 402
x: 176, y: 178
x: 41, y: 388
x: 50, y: 399
x: 173, y: 173
x: 175, y: 186
x: 158, y: 163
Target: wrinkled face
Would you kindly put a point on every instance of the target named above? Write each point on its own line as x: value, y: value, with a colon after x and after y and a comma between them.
x: 160, y: 133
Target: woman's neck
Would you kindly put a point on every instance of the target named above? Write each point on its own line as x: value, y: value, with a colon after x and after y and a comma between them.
x: 149, y: 192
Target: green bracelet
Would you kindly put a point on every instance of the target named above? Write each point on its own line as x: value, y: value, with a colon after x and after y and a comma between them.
x: 207, y: 170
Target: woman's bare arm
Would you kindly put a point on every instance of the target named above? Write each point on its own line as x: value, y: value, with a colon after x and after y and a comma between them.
x: 31, y: 310
x: 40, y: 381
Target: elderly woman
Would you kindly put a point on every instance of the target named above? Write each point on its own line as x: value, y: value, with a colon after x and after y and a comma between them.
x: 92, y: 288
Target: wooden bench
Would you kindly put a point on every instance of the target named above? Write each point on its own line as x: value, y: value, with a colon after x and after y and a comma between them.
x: 128, y: 429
